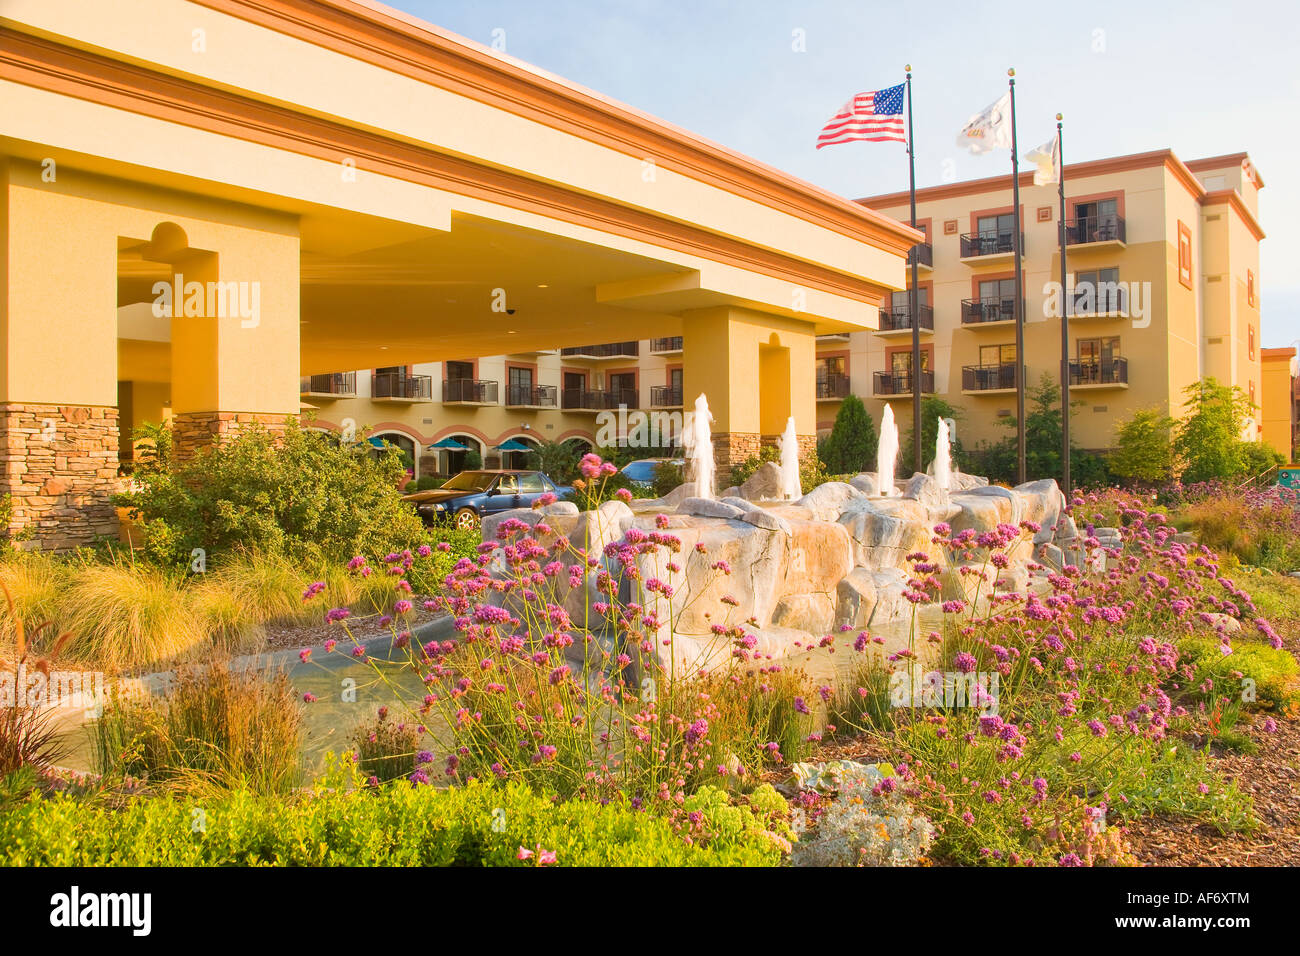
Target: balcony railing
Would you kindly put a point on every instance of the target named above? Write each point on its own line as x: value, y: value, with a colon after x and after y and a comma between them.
x: 399, y: 385
x: 1095, y: 229
x: 469, y: 390
x: 923, y: 253
x: 1103, y: 298
x: 1112, y: 371
x: 665, y: 396
x: 974, y: 244
x: 989, y: 309
x: 541, y: 396
x: 670, y: 344
x: 898, y: 319
x: 833, y: 386
x: 335, y: 383
x: 900, y: 383
x: 598, y: 400
x: 608, y: 350
x: 987, y: 378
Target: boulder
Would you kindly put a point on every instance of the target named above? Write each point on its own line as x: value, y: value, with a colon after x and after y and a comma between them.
x: 760, y: 518
x: 826, y: 501
x: 885, y: 530
x: 678, y: 494
x: 1041, y: 502
x: 764, y: 484
x: 813, y: 613
x: 709, y: 508
x: 984, y: 508
x: 925, y: 489
x: 960, y: 481
x: 865, y: 483
x: 865, y: 598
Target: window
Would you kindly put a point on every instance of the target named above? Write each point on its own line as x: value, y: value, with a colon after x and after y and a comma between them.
x: 1250, y: 287
x: 998, y: 354
x: 1184, y: 255
x: 507, y: 485
x: 1097, y: 220
x: 531, y: 484
x: 1250, y: 339
x: 994, y: 289
x: 1097, y: 359
x: 521, y: 378
x: 459, y: 370
x: 1003, y: 224
x: 900, y: 362
x: 899, y: 300
x: 623, y: 385
x: 831, y: 366
x: 1098, y: 291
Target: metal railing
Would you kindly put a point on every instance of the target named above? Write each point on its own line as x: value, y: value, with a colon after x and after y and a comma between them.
x: 544, y: 396
x: 833, y: 386
x: 608, y: 350
x: 1102, y: 298
x: 598, y: 400
x: 400, y: 385
x: 671, y: 344
x: 1113, y: 371
x: 900, y: 383
x: 665, y: 396
x: 896, y: 319
x: 335, y: 383
x: 1095, y: 229
x: 975, y: 244
x: 984, y: 378
x: 923, y: 253
x: 469, y: 390
x: 989, y: 309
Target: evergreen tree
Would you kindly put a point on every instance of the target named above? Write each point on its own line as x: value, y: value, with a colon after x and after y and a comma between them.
x: 851, y: 445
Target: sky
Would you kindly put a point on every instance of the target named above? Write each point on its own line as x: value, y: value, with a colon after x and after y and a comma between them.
x: 762, y: 77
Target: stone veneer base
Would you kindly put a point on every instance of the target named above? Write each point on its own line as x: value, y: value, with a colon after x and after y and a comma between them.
x: 59, y: 466
x: 194, y: 431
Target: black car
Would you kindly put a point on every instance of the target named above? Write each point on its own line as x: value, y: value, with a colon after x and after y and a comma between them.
x: 467, y: 497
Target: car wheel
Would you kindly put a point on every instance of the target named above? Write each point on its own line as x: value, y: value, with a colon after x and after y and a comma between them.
x: 466, y: 519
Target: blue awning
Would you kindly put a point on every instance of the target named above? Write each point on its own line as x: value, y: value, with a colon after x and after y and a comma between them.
x: 450, y: 444
x: 511, y: 445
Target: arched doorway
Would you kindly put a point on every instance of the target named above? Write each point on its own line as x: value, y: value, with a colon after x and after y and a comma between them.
x: 518, y: 451
x: 393, y: 442
x: 456, y: 453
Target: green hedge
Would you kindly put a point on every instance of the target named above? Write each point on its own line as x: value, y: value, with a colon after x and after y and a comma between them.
x: 397, y: 825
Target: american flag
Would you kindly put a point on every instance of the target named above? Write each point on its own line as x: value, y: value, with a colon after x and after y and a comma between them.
x: 871, y: 117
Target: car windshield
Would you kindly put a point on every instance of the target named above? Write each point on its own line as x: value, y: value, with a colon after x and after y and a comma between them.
x: 470, y: 481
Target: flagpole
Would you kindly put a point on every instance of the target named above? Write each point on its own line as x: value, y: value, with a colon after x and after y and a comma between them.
x: 1020, y: 293
x: 1065, y: 324
x: 913, y: 295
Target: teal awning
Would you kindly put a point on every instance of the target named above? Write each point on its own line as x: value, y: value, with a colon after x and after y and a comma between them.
x: 511, y: 445
x: 377, y: 442
x: 450, y: 444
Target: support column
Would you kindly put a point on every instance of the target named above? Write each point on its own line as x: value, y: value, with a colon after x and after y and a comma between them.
x: 756, y: 370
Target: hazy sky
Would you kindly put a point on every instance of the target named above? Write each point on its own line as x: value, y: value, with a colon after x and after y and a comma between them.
x: 1201, y: 78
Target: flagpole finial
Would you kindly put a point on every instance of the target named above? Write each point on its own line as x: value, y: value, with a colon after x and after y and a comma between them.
x: 1011, y: 72
x: 1059, y: 117
x: 908, y: 68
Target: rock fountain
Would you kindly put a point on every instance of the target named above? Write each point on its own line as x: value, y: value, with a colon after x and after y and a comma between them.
x: 790, y: 487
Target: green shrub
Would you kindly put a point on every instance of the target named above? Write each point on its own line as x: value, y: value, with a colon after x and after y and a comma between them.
x: 215, y: 727
x: 396, y: 825
x: 1274, y: 673
x: 386, y: 749
x: 300, y: 494
x: 1207, y: 441
x: 851, y: 445
x: 812, y: 472
x: 1143, y: 453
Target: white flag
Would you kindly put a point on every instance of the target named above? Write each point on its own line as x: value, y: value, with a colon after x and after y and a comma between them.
x: 989, y: 129
x: 1047, y: 162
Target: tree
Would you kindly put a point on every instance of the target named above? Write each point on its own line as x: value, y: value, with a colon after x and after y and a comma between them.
x: 851, y: 445
x: 1043, y: 444
x: 1207, y: 442
x: 1143, y: 451
x: 557, y: 459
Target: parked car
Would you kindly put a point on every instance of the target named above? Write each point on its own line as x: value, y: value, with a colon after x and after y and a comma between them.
x: 468, y: 496
x: 642, y: 471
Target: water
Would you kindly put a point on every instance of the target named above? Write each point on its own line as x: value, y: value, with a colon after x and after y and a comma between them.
x: 700, y: 448
x: 790, y: 486
x: 943, y: 457
x: 887, y: 452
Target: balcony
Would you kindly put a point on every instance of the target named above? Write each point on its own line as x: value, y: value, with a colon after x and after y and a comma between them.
x: 832, y: 388
x: 665, y: 396
x: 995, y: 310
x: 398, y: 387
x: 531, y: 396
x: 1107, y: 300
x: 1107, y: 231
x: 596, y: 400
x: 668, y: 346
x: 989, y: 379
x: 988, y: 248
x: 832, y: 338
x: 896, y: 321
x: 468, y: 391
x: 899, y: 384
x: 607, y: 351
x: 1102, y: 373
x: 333, y: 385
x: 923, y: 254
